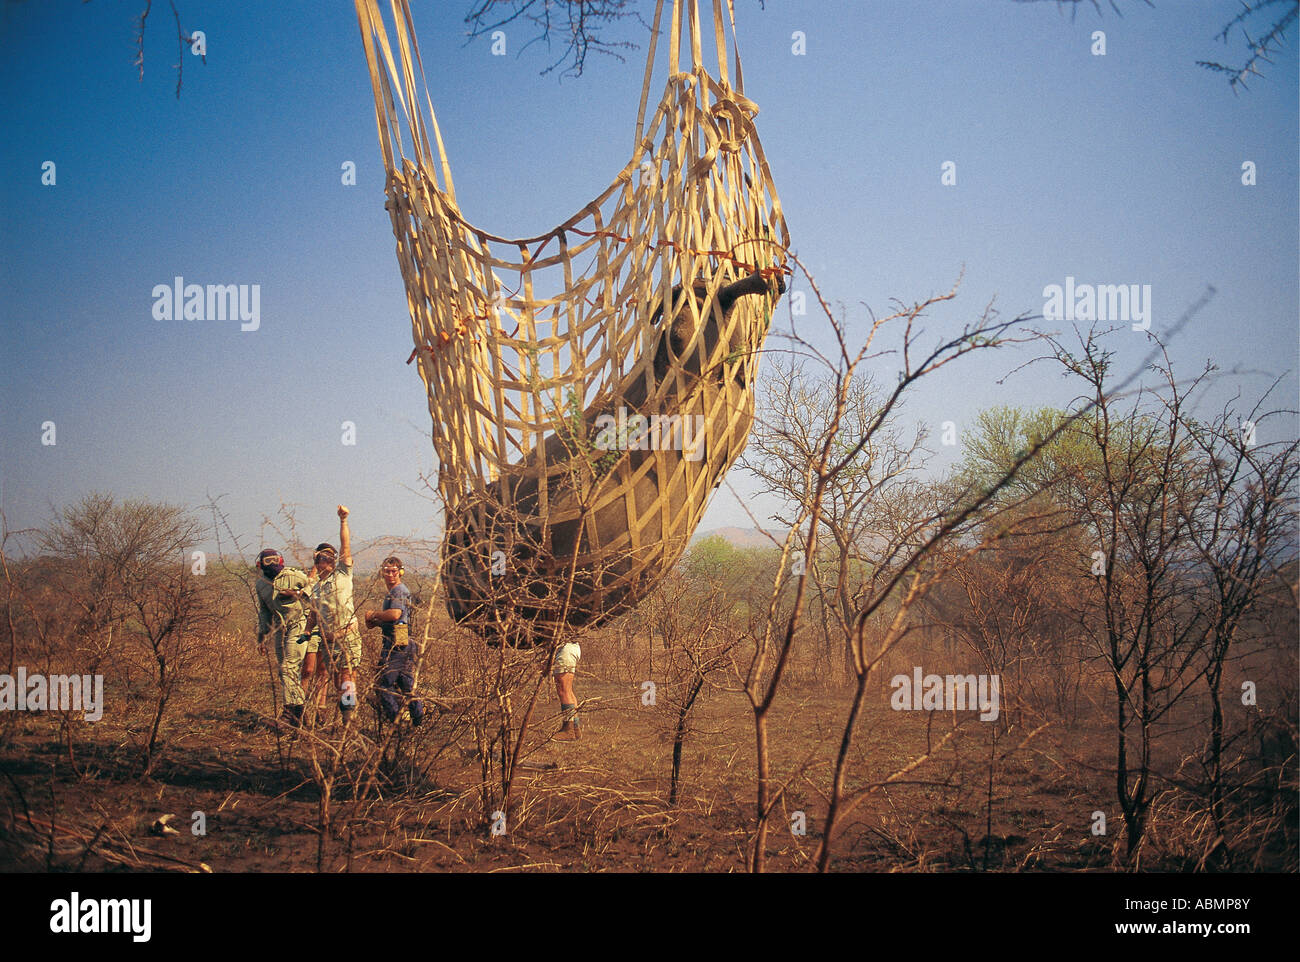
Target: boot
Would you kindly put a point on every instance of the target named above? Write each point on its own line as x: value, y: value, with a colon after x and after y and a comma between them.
x: 290, y: 719
x: 569, y: 730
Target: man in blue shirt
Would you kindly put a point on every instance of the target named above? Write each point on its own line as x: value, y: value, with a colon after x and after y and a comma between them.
x: 397, y: 659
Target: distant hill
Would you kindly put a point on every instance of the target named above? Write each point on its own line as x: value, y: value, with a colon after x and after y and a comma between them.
x: 740, y: 537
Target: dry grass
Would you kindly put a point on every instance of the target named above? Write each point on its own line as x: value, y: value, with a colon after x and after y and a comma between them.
x: 411, y: 799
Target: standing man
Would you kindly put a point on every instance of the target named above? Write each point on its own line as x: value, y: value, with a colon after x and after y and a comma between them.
x: 282, y: 614
x: 333, y: 616
x: 397, y: 659
x: 566, y: 665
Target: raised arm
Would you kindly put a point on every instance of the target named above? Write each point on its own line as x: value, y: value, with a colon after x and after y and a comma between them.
x: 345, y: 538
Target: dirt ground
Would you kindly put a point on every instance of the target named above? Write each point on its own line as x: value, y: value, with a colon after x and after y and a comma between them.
x: 599, y: 804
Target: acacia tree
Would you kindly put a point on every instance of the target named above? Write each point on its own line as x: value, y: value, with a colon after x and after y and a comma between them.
x: 1171, y: 535
x: 692, y: 616
x: 172, y: 613
x: 1013, y: 601
x: 584, y: 26
x: 130, y: 592
x: 866, y: 501
x: 1007, y: 603
x: 1121, y: 493
x: 1139, y: 494
x: 1243, y: 520
x: 901, y: 573
x: 1267, y: 42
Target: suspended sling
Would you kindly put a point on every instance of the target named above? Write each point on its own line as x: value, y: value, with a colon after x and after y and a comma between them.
x: 579, y: 432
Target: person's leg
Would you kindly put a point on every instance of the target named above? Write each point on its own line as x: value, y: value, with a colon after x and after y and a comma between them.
x: 309, y: 684
x: 389, y: 701
x: 350, y: 661
x: 566, y: 665
x: 346, y: 683
x: 564, y: 689
x: 568, y: 705
x: 316, y: 667
x: 291, y: 654
x: 405, y: 683
x: 322, y: 682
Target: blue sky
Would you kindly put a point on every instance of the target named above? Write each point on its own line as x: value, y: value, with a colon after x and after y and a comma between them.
x: 1123, y: 168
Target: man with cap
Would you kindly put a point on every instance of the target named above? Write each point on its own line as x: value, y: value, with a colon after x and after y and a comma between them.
x: 397, y: 659
x: 282, y: 614
x: 333, y: 617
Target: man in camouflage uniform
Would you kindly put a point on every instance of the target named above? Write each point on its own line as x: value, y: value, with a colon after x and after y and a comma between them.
x: 282, y: 614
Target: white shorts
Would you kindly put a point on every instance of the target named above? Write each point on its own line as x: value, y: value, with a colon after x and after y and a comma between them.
x: 566, y: 658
